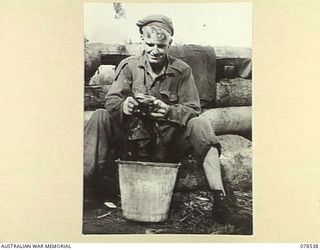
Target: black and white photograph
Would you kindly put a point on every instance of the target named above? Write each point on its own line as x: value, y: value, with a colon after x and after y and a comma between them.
x: 167, y: 139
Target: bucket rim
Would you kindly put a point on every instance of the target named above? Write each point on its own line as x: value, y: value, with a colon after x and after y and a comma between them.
x: 153, y: 164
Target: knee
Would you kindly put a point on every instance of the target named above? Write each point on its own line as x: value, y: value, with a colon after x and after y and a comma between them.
x: 99, y: 114
x: 97, y: 117
x: 202, y: 136
x: 199, y: 128
x: 199, y: 124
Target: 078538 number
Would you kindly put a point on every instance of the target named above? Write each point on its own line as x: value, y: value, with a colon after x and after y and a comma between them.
x: 304, y: 245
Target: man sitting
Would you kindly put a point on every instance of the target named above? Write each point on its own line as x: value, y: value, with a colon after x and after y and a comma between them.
x: 170, y: 124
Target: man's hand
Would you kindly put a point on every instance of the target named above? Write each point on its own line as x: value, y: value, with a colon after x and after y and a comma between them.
x: 162, y: 109
x: 129, y: 104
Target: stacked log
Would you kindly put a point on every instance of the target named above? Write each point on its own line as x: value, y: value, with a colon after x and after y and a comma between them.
x: 229, y: 92
x: 100, y: 53
x: 211, y: 67
x: 103, y: 75
x: 92, y: 59
x: 229, y: 120
x: 235, y: 161
x: 233, y: 92
x: 229, y: 110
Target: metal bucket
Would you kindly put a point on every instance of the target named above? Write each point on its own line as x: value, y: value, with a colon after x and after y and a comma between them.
x: 146, y: 189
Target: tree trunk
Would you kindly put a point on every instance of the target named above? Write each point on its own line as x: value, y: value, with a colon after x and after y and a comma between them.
x: 233, y: 92
x: 231, y: 120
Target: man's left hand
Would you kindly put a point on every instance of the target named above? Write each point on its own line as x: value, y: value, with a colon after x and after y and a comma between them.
x: 162, y: 109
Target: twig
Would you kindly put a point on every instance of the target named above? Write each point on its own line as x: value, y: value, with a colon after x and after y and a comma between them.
x: 104, y: 215
x: 183, y: 219
x: 194, y: 208
x: 199, y: 211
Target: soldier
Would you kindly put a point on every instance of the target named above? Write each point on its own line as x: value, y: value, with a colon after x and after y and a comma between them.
x: 121, y: 128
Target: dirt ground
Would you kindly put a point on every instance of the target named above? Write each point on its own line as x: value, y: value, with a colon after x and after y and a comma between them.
x: 190, y: 213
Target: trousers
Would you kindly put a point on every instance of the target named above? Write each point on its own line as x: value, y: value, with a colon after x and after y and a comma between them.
x: 106, y: 139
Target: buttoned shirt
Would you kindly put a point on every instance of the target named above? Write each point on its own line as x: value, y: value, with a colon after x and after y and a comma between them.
x: 175, y: 86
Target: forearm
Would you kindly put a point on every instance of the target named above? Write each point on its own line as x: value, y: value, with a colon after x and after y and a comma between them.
x: 115, y: 98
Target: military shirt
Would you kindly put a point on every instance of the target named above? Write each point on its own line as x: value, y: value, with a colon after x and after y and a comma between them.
x: 175, y: 86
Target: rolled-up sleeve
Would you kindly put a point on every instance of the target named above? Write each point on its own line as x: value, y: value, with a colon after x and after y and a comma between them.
x: 188, y: 100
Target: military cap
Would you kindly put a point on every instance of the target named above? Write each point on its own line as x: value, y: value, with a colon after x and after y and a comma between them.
x: 157, y: 20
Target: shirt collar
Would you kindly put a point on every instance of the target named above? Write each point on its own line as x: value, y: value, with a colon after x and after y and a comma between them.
x: 171, y: 68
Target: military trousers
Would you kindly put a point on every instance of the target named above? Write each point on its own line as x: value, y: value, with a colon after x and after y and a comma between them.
x: 106, y: 138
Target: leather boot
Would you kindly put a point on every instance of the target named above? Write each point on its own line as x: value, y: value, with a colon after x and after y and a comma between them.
x: 219, y: 206
x: 222, y: 213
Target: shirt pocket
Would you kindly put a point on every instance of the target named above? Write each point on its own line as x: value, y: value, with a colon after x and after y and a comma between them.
x: 169, y: 97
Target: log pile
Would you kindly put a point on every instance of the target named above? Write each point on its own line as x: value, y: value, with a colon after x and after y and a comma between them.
x: 233, y: 92
x: 228, y: 107
x: 222, y: 74
x: 236, y: 166
x: 230, y: 120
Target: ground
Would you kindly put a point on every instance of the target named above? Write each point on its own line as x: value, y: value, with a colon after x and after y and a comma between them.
x: 190, y: 213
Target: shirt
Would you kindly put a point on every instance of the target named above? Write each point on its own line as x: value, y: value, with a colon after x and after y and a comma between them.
x: 175, y: 86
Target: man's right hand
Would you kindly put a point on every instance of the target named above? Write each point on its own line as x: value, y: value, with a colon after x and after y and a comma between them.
x: 129, y: 105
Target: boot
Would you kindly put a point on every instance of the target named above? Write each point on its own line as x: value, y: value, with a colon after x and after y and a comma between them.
x: 222, y: 213
x: 219, y: 206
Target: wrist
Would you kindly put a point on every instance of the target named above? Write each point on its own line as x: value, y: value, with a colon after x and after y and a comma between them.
x: 168, y: 108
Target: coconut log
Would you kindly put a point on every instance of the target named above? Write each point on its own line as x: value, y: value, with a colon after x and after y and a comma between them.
x: 103, y: 76
x: 233, y: 92
x: 92, y: 59
x: 230, y: 120
x: 111, y: 54
x: 229, y: 92
x: 236, y: 166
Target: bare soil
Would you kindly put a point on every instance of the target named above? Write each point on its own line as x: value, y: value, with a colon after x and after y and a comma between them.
x: 190, y: 213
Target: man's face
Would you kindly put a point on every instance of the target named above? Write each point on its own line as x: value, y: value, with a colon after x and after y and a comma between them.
x: 155, y: 49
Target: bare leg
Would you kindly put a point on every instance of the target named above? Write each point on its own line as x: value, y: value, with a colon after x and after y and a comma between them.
x: 221, y: 212
x: 212, y: 169
x: 198, y: 131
